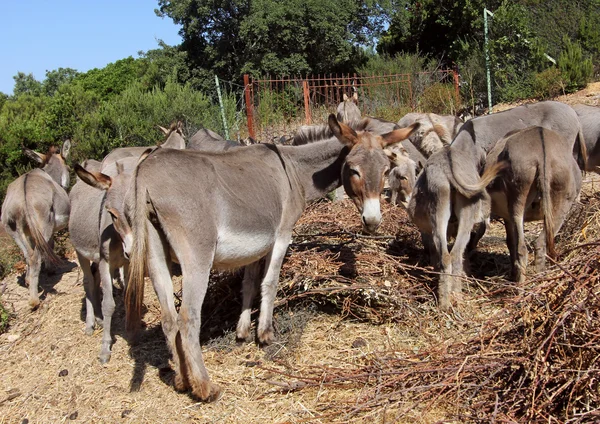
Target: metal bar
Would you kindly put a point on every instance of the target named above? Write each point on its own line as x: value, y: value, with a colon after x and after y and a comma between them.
x: 249, y: 109
x: 225, y: 127
x: 307, y: 114
x: 487, y: 58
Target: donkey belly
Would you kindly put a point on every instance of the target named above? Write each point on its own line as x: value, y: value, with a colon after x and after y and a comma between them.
x: 238, y: 248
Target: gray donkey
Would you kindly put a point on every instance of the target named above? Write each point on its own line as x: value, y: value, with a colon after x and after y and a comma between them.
x: 450, y: 184
x: 245, y: 203
x: 95, y: 239
x: 541, y: 182
x: 35, y: 207
x: 174, y: 140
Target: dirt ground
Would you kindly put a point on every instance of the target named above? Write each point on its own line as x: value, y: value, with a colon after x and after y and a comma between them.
x: 50, y: 371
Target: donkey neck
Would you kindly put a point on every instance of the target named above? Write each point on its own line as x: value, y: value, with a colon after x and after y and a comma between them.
x: 318, y: 166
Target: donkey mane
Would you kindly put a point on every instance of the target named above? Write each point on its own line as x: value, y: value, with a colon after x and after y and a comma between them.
x: 307, y: 134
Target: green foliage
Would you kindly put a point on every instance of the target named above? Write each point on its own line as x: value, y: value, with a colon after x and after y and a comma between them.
x: 576, y: 70
x: 56, y: 78
x: 4, y: 318
x: 548, y: 84
x: 230, y: 38
x: 441, y: 99
x: 130, y: 119
x: 112, y: 79
x: 26, y: 84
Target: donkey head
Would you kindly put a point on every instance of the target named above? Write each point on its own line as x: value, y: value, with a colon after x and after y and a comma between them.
x: 175, y: 138
x: 117, y: 188
x: 366, y: 166
x: 53, y: 162
x: 403, y: 175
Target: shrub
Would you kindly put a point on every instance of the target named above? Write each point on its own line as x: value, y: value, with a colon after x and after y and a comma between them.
x: 548, y: 84
x: 4, y: 318
x: 576, y: 70
x: 440, y: 98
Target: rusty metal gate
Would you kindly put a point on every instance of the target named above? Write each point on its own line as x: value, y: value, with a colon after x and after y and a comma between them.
x: 276, y: 107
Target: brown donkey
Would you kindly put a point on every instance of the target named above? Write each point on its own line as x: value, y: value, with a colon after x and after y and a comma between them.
x: 35, y: 207
x: 226, y: 210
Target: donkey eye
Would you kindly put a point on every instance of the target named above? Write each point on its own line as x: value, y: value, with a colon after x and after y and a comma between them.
x: 354, y: 173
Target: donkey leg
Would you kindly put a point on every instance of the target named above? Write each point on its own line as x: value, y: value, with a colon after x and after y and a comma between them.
x: 90, y: 294
x: 520, y: 266
x: 159, y: 271
x: 466, y: 212
x: 108, y: 308
x: 269, y: 289
x: 249, y: 289
x: 441, y: 217
x: 196, y: 272
x: 32, y: 277
x: 511, y: 243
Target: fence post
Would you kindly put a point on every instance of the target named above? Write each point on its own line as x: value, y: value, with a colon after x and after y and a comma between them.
x: 456, y: 84
x: 307, y: 113
x: 410, y: 94
x: 249, y: 106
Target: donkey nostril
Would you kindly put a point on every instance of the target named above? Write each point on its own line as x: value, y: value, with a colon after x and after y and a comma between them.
x: 364, y: 220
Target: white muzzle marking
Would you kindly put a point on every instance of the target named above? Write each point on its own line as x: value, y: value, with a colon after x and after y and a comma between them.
x: 371, y: 214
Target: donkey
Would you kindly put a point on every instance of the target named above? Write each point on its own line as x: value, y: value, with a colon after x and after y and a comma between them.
x: 312, y: 133
x: 35, y: 207
x: 589, y: 116
x: 402, y: 175
x: 450, y: 183
x: 436, y: 131
x: 174, y: 140
x: 246, y: 202
x: 540, y: 168
x: 95, y: 238
x: 206, y: 140
x: 347, y: 110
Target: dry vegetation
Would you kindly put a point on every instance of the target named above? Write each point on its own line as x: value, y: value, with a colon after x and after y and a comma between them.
x: 359, y: 338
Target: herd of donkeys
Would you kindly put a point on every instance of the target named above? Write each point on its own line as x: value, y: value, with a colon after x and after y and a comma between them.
x: 211, y: 203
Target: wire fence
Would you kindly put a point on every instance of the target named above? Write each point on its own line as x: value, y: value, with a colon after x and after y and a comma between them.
x: 276, y: 107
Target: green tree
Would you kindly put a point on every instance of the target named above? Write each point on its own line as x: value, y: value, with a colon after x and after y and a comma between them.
x: 231, y: 37
x: 56, y: 78
x: 26, y: 84
x: 113, y: 78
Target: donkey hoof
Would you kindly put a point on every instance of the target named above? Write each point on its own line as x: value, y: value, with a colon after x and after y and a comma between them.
x: 104, y: 358
x: 34, y: 304
x: 266, y: 337
x: 89, y: 330
x: 207, y: 391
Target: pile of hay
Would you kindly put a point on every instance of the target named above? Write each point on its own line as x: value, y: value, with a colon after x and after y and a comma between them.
x: 535, y: 358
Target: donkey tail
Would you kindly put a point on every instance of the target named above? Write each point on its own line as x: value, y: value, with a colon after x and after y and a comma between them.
x: 134, y: 294
x: 37, y: 237
x: 582, y: 153
x: 472, y: 190
x: 544, y: 185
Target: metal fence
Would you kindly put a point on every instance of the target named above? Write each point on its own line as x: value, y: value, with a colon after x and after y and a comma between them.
x: 276, y: 107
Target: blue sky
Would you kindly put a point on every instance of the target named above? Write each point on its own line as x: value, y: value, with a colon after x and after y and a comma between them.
x: 40, y: 35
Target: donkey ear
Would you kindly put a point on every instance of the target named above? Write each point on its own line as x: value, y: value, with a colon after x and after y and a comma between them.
x: 163, y: 129
x: 397, y: 136
x: 342, y: 132
x: 40, y: 158
x: 355, y: 97
x: 180, y: 126
x: 66, y: 148
x: 345, y: 97
x: 95, y: 179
